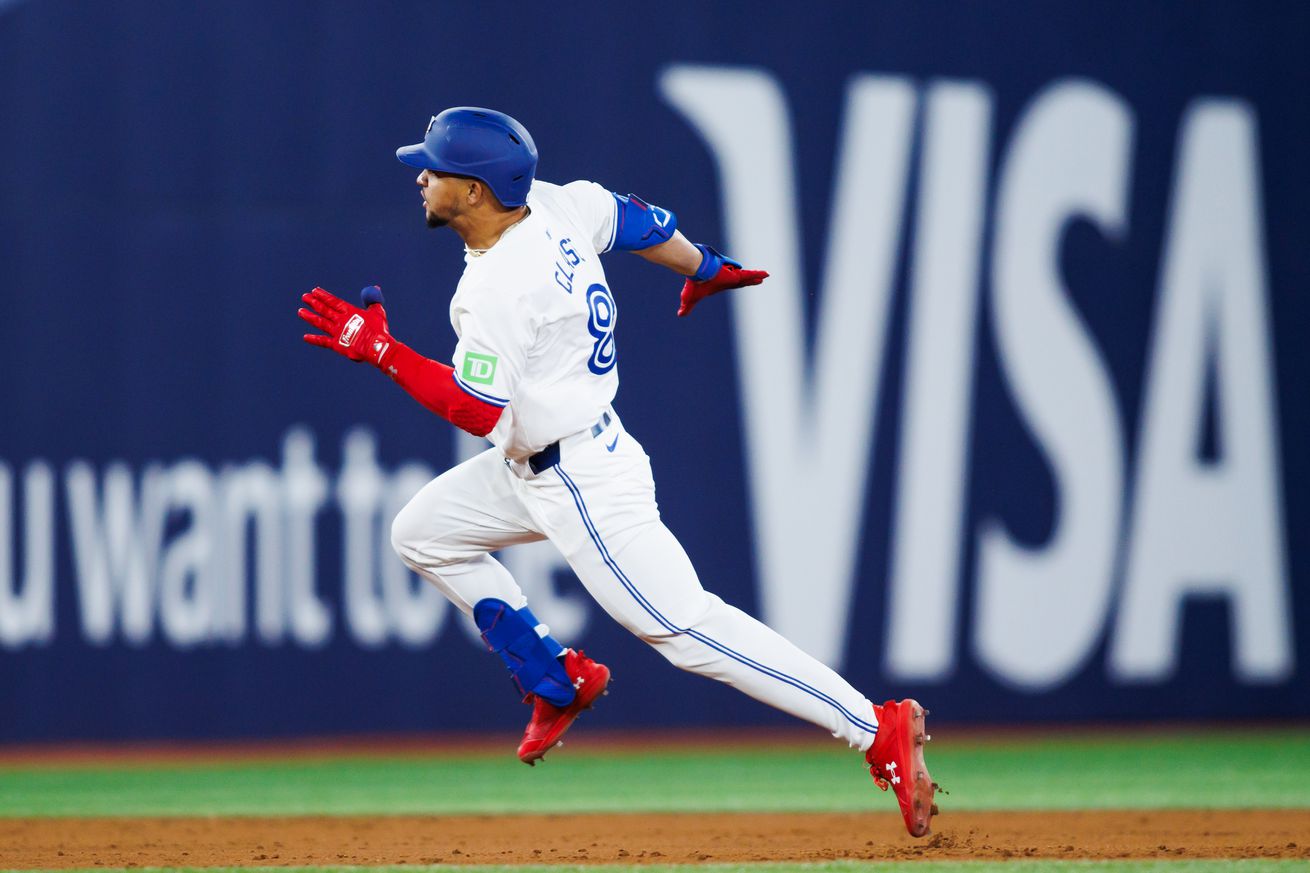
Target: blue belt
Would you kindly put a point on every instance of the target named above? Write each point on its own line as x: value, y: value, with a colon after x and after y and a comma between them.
x: 549, y: 456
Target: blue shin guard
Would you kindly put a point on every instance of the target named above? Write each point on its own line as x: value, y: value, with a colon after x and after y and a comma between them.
x: 533, y: 661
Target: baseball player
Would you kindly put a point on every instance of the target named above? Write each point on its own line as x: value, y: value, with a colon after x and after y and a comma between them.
x: 535, y: 372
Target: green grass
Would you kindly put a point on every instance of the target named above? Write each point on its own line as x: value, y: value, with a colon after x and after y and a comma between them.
x: 1244, y: 866
x: 1193, y: 770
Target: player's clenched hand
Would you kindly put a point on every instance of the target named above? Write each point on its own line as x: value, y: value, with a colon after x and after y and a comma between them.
x: 717, y: 273
x: 359, y: 334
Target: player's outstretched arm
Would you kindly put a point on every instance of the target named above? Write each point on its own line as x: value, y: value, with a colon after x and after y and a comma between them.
x: 707, y: 271
x: 676, y: 253
x: 362, y: 335
x: 652, y: 232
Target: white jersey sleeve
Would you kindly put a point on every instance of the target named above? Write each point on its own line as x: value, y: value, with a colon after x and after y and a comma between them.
x: 495, y: 336
x: 596, y: 210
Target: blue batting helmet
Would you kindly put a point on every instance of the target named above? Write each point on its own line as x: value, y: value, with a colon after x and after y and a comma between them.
x: 481, y: 143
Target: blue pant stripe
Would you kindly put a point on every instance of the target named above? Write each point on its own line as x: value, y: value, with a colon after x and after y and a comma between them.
x: 697, y: 635
x: 609, y: 561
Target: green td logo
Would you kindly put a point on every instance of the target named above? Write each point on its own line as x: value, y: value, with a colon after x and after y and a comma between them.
x: 479, y: 368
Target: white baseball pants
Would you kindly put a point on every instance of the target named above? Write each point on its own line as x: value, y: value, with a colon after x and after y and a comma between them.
x: 598, y: 507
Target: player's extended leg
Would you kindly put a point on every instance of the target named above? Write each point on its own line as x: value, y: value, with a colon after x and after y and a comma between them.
x: 736, y: 648
x: 605, y: 521
x: 598, y: 507
x: 727, y: 644
x: 600, y: 510
x: 650, y: 586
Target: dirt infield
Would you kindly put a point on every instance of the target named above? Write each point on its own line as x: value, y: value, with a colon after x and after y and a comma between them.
x: 646, y: 838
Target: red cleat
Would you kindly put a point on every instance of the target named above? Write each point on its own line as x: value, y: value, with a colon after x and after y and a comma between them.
x: 896, y: 761
x: 549, y: 722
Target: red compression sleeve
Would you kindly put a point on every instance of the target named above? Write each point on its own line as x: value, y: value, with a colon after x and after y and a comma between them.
x: 432, y: 384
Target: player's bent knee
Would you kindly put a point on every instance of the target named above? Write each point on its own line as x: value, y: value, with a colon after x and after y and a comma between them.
x: 415, y: 543
x: 404, y: 533
x: 423, y: 549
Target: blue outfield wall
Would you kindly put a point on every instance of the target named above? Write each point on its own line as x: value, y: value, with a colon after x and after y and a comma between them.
x: 1018, y: 425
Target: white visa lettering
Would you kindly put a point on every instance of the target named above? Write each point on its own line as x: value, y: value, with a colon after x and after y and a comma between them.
x: 809, y: 428
x: 928, y: 523
x: 1209, y: 529
x: 1041, y: 610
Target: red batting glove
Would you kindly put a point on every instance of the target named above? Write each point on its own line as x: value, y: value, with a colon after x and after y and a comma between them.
x: 717, y: 273
x: 359, y: 334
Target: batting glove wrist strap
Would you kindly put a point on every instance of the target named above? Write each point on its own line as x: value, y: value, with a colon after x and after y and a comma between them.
x: 711, y: 262
x: 717, y: 273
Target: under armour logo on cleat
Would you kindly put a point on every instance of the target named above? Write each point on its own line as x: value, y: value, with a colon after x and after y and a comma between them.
x: 577, y: 683
x: 891, y: 769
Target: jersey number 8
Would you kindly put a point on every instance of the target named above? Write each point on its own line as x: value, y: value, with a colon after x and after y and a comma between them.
x: 600, y: 325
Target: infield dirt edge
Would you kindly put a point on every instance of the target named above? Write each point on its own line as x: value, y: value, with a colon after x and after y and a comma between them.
x: 638, y: 838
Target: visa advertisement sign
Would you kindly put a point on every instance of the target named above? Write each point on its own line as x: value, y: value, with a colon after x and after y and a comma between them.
x: 1016, y: 425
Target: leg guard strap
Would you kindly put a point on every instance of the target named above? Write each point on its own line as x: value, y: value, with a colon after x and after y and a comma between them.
x: 533, y: 662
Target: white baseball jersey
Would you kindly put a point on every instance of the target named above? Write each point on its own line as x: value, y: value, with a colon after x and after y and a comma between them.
x: 535, y: 319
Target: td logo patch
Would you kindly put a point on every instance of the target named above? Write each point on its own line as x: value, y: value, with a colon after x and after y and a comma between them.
x: 479, y: 368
